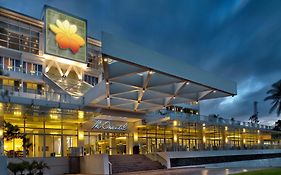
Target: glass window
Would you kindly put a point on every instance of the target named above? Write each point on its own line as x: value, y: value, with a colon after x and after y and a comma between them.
x: 19, y: 36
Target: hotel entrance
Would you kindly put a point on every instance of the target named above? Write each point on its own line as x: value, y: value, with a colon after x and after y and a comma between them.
x: 112, y: 143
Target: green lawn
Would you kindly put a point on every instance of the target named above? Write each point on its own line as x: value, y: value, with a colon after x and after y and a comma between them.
x: 272, y: 171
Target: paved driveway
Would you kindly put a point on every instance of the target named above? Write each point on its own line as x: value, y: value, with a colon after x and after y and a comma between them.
x: 190, y: 171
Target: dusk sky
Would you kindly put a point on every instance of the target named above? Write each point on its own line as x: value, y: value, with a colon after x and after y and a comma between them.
x: 238, y: 40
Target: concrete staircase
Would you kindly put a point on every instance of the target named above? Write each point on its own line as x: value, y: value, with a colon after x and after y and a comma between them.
x: 131, y: 163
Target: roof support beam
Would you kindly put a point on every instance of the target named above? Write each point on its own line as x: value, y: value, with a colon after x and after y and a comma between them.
x: 203, y: 94
x: 141, y: 92
x: 178, y: 87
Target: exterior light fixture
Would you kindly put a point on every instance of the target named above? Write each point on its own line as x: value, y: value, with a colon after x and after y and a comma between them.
x: 187, y: 83
x: 143, y: 90
x: 107, y: 83
x: 174, y: 97
x: 105, y: 59
x: 203, y: 124
x: 214, y: 91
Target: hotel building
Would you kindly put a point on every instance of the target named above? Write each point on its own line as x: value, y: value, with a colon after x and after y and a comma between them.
x: 71, y: 94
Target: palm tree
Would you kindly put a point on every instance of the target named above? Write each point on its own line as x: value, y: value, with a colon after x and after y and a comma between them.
x: 14, y: 167
x: 275, y: 97
x: 40, y: 166
x: 31, y: 167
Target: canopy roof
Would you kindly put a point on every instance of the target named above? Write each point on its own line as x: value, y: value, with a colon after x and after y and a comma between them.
x: 138, y: 79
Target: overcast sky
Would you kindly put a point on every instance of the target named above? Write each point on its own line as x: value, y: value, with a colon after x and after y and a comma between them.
x: 238, y: 40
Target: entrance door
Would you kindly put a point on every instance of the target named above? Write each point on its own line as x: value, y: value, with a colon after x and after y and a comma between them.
x: 109, y: 143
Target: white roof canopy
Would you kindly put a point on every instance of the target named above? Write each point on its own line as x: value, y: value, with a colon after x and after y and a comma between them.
x: 141, y: 80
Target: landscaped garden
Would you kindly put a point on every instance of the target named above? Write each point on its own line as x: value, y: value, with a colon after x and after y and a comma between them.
x: 272, y: 171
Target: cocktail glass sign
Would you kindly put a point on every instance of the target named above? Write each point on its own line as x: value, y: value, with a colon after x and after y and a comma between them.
x: 110, y: 125
x: 65, y: 35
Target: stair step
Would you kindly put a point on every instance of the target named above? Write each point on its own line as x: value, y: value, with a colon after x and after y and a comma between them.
x: 131, y: 163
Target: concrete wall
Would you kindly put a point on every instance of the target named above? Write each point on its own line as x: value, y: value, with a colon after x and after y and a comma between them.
x: 3, y: 165
x: 260, y: 163
x: 58, y: 165
x: 254, y: 163
x: 95, y: 164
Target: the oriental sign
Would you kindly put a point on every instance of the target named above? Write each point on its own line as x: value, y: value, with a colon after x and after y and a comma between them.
x: 110, y: 125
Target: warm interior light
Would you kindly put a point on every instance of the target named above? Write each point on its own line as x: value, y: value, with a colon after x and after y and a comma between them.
x: 53, y: 116
x: 121, y: 138
x: 81, y: 135
x: 175, y: 138
x: 244, y: 130
x: 226, y: 128
x: 175, y: 123
x: 226, y: 140
x: 1, y: 132
x: 136, y: 137
x: 17, y: 113
x: 204, y: 139
x: 80, y: 114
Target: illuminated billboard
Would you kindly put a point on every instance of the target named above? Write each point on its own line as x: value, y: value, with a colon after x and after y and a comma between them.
x: 65, y: 35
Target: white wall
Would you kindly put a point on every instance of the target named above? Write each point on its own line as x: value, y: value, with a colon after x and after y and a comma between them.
x: 3, y: 165
x: 95, y: 164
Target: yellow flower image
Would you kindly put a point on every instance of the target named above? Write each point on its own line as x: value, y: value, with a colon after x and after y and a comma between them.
x: 66, y: 36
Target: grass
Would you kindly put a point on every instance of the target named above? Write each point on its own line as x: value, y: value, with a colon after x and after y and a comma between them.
x: 272, y: 171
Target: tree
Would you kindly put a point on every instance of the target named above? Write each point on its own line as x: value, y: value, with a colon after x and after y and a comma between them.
x: 13, y: 132
x: 40, y: 166
x: 274, y: 94
x: 254, y: 118
x: 277, y: 126
x: 14, y: 167
x: 31, y: 167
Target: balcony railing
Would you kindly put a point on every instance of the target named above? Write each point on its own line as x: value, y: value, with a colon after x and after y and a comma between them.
x: 207, y: 120
x: 10, y: 91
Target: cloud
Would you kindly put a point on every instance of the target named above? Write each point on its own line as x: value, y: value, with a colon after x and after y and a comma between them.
x: 238, y: 39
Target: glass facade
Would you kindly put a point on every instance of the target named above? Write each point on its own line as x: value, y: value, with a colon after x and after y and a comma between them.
x: 53, y: 132
x: 17, y: 35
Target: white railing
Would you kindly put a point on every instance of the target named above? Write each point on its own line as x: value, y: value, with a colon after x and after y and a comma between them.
x: 110, y: 167
x: 205, y: 119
